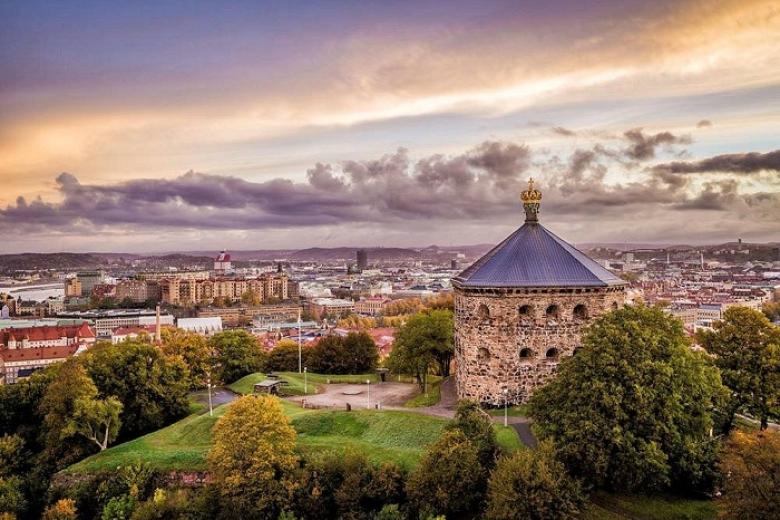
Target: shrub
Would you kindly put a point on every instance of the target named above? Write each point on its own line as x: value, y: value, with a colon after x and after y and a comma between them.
x: 533, y: 485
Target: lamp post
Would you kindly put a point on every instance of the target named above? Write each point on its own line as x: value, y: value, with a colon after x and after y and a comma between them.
x: 368, y: 404
x: 300, y: 357
x: 211, y: 405
x: 305, y: 382
x: 506, y: 401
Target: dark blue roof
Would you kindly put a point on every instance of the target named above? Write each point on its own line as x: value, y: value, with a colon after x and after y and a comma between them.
x: 533, y: 256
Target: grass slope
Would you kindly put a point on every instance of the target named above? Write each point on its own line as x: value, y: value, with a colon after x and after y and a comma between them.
x: 640, y: 507
x: 383, y: 435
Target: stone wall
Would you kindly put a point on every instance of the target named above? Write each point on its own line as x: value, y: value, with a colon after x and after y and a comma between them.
x: 513, y: 339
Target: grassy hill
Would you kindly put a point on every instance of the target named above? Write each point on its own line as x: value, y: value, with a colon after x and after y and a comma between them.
x: 382, y: 435
x: 295, y: 381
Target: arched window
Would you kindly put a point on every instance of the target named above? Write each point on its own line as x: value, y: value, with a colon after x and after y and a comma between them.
x: 580, y: 311
x: 552, y: 311
x: 483, y: 354
x: 615, y: 305
x: 526, y: 353
x: 526, y: 311
x: 483, y: 312
x: 552, y: 353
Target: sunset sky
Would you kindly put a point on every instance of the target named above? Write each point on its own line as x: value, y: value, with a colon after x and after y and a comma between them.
x: 160, y: 126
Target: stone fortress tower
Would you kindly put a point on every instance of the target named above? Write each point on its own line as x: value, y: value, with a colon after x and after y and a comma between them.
x: 521, y: 308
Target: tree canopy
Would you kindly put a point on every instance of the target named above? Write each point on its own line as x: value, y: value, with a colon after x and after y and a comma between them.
x: 424, y: 343
x: 634, y: 408
x: 237, y: 353
x: 751, y: 469
x: 356, y: 353
x: 746, y: 347
x: 252, y: 457
x: 533, y: 485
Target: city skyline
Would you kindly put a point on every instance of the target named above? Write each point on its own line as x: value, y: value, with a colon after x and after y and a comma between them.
x: 266, y: 126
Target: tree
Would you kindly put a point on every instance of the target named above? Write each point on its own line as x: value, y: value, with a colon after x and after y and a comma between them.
x: 477, y: 426
x: 13, y: 455
x: 746, y: 347
x: 96, y: 419
x: 12, y: 499
x: 237, y: 353
x: 422, y: 343
x: 252, y: 457
x: 449, y: 480
x: 772, y: 311
x: 284, y: 357
x: 751, y: 469
x: 58, y: 407
x: 63, y: 509
x: 360, y: 352
x: 533, y: 485
x: 354, y: 354
x: 152, y: 387
x: 633, y: 409
x: 193, y: 349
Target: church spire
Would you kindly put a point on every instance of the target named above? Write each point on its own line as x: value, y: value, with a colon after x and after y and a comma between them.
x: 531, y: 198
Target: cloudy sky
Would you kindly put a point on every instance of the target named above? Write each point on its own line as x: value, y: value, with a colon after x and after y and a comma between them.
x: 165, y: 125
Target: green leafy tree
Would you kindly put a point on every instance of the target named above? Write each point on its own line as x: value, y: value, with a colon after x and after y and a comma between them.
x: 252, y: 458
x: 354, y: 354
x: 12, y: 499
x: 284, y: 357
x: 151, y: 386
x: 193, y: 349
x: 477, y: 426
x: 334, y: 485
x: 237, y: 353
x: 423, y: 343
x: 58, y: 407
x: 119, y: 508
x: 746, y: 347
x: 633, y: 409
x: 533, y: 485
x: 751, y: 469
x: 449, y: 480
x: 96, y: 419
x: 14, y: 458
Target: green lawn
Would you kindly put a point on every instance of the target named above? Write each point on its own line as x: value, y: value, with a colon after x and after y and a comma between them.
x: 382, y: 435
x: 295, y: 381
x: 639, y: 507
x: 431, y: 398
x: 521, y: 410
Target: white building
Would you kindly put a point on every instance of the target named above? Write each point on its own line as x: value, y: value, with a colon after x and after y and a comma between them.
x: 204, y: 326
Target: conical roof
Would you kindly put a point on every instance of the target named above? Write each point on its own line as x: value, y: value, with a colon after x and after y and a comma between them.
x: 533, y: 256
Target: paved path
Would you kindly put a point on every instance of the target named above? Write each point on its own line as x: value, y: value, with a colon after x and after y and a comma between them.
x: 391, y: 395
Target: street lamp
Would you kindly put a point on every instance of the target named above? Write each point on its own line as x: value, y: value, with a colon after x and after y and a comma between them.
x: 211, y: 405
x: 506, y: 401
x: 368, y: 404
x: 300, y: 357
x: 305, y: 382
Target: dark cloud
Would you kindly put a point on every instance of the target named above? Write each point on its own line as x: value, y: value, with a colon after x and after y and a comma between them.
x: 739, y: 163
x: 479, y: 185
x: 704, y: 123
x: 643, y: 146
x: 565, y: 132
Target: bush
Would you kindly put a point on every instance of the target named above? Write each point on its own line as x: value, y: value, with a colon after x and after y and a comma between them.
x: 449, y: 480
x: 477, y: 426
x: 751, y: 469
x: 63, y: 509
x: 533, y: 485
x: 119, y: 508
x: 346, y: 486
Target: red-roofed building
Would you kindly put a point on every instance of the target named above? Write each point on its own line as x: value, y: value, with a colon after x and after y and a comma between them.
x: 46, y: 336
x: 25, y: 350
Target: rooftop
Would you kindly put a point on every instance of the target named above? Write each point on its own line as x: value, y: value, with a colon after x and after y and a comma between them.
x: 533, y: 256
